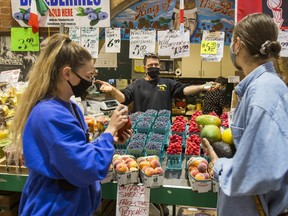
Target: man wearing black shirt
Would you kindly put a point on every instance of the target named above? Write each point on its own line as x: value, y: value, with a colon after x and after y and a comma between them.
x: 151, y: 92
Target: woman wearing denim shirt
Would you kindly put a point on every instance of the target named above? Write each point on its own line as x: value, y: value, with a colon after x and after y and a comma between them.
x: 255, y: 180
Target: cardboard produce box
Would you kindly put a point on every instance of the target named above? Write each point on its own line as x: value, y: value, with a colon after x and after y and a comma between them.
x: 196, y: 211
x: 155, y: 180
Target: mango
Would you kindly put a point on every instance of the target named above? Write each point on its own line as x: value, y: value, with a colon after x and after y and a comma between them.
x: 212, y: 133
x: 208, y: 120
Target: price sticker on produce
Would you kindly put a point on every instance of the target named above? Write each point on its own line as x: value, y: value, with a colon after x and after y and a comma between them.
x: 209, y: 47
x: 283, y: 40
x: 23, y: 39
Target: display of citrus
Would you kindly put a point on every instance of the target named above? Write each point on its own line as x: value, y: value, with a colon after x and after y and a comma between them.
x: 227, y: 136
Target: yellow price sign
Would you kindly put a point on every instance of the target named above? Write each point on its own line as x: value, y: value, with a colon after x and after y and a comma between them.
x: 23, y: 39
x: 209, y: 47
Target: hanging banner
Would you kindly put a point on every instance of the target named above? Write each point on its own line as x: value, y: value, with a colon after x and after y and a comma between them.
x: 90, y: 40
x: 141, y: 43
x: 212, y: 46
x: 133, y: 200
x: 283, y: 40
x: 23, y: 39
x: 278, y: 9
x: 112, y: 40
x: 69, y: 13
x: 171, y: 43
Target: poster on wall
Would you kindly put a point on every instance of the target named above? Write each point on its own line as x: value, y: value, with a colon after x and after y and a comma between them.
x: 199, y: 15
x: 278, y: 9
x: 69, y: 13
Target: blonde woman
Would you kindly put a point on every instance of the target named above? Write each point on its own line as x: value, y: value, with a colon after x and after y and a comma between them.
x: 64, y: 167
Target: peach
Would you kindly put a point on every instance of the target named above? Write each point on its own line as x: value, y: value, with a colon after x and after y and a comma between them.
x: 152, y: 158
x: 194, y: 172
x: 127, y: 160
x: 190, y: 168
x: 149, y: 171
x: 143, y: 164
x: 122, y: 168
x: 199, y: 176
x: 196, y: 162
x: 202, y: 167
x: 207, y: 176
x: 132, y: 163
x: 133, y: 169
x: 116, y: 162
x: 158, y: 170
x: 203, y: 160
x: 154, y: 163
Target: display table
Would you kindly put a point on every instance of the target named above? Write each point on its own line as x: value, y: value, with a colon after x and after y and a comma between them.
x: 175, y: 189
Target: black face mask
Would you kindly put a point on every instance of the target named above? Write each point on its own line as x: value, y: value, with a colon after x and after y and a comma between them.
x: 153, y: 72
x: 80, y: 89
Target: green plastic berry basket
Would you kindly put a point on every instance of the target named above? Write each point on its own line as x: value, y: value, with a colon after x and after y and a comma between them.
x: 174, y: 162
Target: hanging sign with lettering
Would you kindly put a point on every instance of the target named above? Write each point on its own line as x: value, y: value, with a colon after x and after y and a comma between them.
x: 112, y: 40
x: 88, y: 13
x: 141, y: 43
x: 212, y: 46
x: 283, y: 40
x: 133, y: 200
x: 23, y: 39
x: 172, y: 43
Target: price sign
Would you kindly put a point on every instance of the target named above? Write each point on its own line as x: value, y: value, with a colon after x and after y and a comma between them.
x: 112, y: 40
x: 23, y: 39
x: 209, y: 47
x: 283, y: 40
x: 133, y: 200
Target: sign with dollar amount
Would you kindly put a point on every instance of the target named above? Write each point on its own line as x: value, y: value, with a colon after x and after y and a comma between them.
x: 112, y: 40
x: 23, y: 39
x: 209, y: 47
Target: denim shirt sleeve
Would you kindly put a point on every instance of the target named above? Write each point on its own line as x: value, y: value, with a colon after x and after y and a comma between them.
x: 259, y: 164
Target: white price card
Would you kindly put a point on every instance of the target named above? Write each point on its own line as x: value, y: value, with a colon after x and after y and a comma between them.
x: 90, y: 40
x: 283, y: 40
x: 133, y: 200
x: 212, y: 46
x: 112, y: 40
x: 172, y: 43
x: 141, y: 43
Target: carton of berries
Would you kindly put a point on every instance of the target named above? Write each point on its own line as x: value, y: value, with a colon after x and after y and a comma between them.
x: 151, y: 172
x: 199, y: 177
x: 126, y: 169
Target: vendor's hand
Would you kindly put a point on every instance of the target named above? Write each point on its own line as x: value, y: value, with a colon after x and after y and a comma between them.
x: 105, y: 86
x: 125, y: 135
x: 118, y: 119
x: 211, y: 86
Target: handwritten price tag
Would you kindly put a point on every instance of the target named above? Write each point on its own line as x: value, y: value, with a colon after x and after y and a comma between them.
x: 23, y: 39
x: 133, y: 200
x: 209, y: 47
x: 112, y: 40
x: 283, y: 40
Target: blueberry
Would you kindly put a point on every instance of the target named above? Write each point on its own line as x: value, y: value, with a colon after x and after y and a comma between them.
x: 27, y: 16
x: 18, y: 16
x: 102, y: 15
x: 92, y: 16
x: 88, y: 10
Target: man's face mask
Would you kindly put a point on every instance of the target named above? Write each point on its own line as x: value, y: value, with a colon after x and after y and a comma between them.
x: 153, y: 72
x: 80, y: 89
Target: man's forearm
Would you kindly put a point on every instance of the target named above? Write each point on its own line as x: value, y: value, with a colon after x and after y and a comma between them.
x: 193, y: 89
x: 118, y: 95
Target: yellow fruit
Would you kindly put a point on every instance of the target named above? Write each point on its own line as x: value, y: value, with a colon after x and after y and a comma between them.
x: 227, y: 136
x: 3, y: 134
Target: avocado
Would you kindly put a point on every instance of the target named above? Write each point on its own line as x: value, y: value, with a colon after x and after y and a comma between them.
x: 208, y: 120
x: 212, y: 133
x: 223, y: 149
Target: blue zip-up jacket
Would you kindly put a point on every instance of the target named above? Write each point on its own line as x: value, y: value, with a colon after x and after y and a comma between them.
x: 260, y: 134
x: 55, y: 147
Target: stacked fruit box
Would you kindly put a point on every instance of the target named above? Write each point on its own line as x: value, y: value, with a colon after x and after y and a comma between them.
x: 125, y: 169
x: 110, y: 175
x: 151, y: 172
x: 198, y: 175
